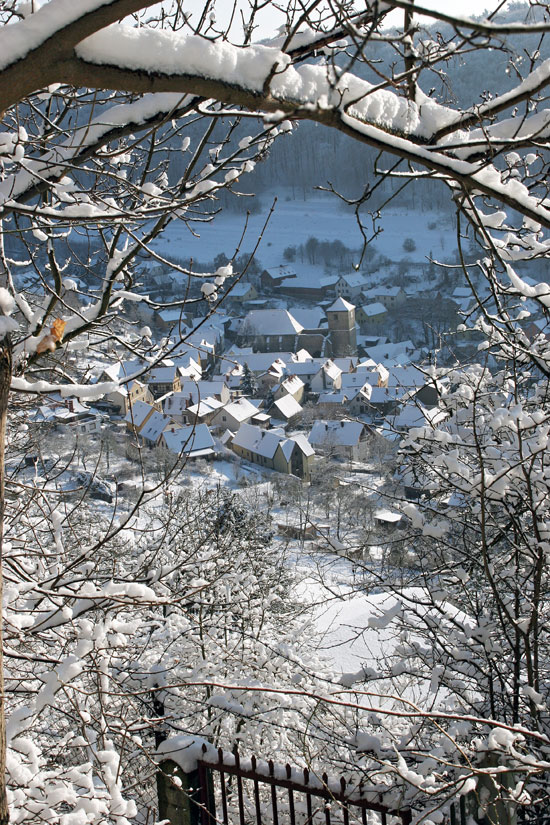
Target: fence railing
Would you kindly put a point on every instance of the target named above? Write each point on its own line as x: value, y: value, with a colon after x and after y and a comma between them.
x: 227, y: 789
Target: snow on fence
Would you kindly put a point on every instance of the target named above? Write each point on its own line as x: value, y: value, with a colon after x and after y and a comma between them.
x: 218, y: 787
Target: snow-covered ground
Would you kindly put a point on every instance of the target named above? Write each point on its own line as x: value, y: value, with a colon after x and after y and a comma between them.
x: 294, y: 221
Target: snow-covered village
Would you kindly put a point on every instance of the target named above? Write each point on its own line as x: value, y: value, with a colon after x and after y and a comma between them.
x: 274, y: 413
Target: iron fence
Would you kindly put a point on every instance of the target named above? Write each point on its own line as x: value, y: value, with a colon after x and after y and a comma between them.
x: 258, y: 793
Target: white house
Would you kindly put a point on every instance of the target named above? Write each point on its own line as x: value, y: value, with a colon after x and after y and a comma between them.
x: 345, y: 438
x: 189, y: 442
x: 286, y: 408
x: 232, y: 415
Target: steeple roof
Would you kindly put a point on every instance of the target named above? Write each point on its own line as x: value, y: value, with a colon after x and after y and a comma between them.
x: 340, y: 306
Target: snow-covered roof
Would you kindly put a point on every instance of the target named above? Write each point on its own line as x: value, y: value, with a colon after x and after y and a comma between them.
x: 380, y: 395
x: 415, y: 415
x: 258, y: 362
x: 354, y: 280
x: 240, y: 290
x: 310, y: 318
x: 305, y: 369
x: 388, y: 515
x: 301, y: 355
x: 332, y: 398
x: 292, y: 384
x: 172, y: 315
x: 205, y: 406
x: 189, y: 440
x: 391, y: 353
x: 340, y: 305
x: 261, y: 418
x: 241, y: 409
x: 256, y: 440
x: 303, y: 443
x: 346, y: 364
x: 374, y: 309
x: 122, y: 369
x: 154, y: 426
x: 409, y: 377
x: 388, y: 291
x: 200, y: 389
x: 288, y: 406
x: 271, y: 322
x: 281, y: 271
x: 161, y: 375
x: 343, y: 433
x: 331, y: 370
x: 354, y: 380
x: 265, y: 442
x: 138, y: 412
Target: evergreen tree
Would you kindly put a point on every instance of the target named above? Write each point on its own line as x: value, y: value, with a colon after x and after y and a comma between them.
x: 249, y: 384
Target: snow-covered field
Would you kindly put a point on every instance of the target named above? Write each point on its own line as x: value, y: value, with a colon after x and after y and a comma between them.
x: 294, y: 221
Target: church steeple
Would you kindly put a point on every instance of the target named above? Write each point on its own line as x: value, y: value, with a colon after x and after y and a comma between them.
x: 341, y: 324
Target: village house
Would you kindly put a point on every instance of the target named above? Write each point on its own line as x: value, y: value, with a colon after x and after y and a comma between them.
x: 371, y: 317
x: 359, y: 403
x: 413, y: 383
x: 328, y: 377
x: 350, y: 287
x: 162, y: 380
x: 308, y: 288
x: 203, y: 412
x: 189, y: 442
x: 119, y: 399
x: 329, y: 403
x: 269, y: 330
x: 273, y: 450
x: 153, y: 427
x: 392, y: 354
x: 137, y: 415
x: 272, y: 279
x: 287, y: 409
x: 291, y: 385
x: 377, y: 402
x: 217, y: 388
x: 347, y: 439
x: 231, y: 416
x: 171, y: 318
x: 241, y: 293
x: 318, y: 374
x: 415, y: 415
x: 67, y: 414
x: 351, y: 382
x: 390, y: 296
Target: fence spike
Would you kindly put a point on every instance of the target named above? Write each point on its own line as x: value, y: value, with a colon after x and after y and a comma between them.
x: 306, y: 776
x: 253, y: 762
x: 288, y: 771
x: 220, y: 756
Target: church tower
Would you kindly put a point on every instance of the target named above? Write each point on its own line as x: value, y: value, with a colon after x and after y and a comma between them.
x: 341, y: 324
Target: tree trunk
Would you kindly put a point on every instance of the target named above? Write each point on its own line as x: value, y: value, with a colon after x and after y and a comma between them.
x: 5, y: 380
